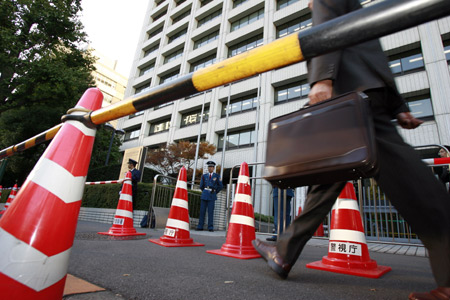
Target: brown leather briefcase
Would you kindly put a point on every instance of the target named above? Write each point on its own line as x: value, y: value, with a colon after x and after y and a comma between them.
x: 328, y: 142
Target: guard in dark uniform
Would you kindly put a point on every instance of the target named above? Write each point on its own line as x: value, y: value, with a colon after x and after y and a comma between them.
x: 135, y: 178
x: 210, y: 185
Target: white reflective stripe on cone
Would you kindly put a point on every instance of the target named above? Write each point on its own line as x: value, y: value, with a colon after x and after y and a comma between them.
x: 243, y: 220
x: 347, y: 235
x: 346, y: 204
x: 177, y: 224
x: 243, y: 198
x: 180, y: 203
x: 69, y: 192
x: 124, y: 213
x: 29, y: 266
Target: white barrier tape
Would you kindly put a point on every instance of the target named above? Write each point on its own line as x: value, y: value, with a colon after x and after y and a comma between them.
x: 124, y: 213
x: 243, y: 198
x: 180, y: 203
x: 178, y: 224
x: 29, y: 266
x: 342, y: 203
x: 347, y: 235
x: 44, y: 174
x: 243, y: 220
x: 181, y: 184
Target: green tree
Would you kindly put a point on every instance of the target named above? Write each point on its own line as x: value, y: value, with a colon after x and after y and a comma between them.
x: 169, y: 159
x: 101, y: 147
x: 43, y: 72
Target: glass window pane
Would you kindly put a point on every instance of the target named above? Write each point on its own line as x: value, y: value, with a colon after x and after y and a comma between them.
x: 233, y: 141
x: 395, y: 66
x: 305, y: 90
x: 412, y: 62
x: 294, y: 92
x: 447, y: 52
x: 235, y: 107
x: 282, y: 95
x: 244, y: 138
x: 421, y: 108
x: 246, y: 104
x: 220, y: 143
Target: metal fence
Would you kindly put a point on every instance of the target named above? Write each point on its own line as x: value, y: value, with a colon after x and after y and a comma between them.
x: 381, y: 220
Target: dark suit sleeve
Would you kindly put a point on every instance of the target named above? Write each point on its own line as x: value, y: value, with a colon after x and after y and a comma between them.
x: 326, y: 66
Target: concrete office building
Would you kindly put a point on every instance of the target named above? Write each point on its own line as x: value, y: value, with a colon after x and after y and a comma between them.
x: 181, y: 36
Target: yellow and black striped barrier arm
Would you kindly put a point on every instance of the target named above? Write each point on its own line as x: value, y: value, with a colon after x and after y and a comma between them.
x: 372, y: 22
x: 31, y: 142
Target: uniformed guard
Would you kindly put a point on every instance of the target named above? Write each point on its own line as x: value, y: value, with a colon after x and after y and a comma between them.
x: 210, y: 185
x: 135, y: 178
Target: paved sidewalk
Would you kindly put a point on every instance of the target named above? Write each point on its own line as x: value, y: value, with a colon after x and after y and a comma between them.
x: 137, y: 269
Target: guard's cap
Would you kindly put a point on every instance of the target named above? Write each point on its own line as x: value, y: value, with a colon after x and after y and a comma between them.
x: 211, y: 163
x: 132, y: 161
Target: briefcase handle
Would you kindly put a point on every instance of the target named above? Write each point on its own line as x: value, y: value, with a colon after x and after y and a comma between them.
x: 307, y: 105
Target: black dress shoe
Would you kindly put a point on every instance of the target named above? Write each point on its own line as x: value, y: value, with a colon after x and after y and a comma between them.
x: 274, y: 260
x: 441, y: 293
x: 198, y: 229
x: 211, y: 230
x: 272, y: 239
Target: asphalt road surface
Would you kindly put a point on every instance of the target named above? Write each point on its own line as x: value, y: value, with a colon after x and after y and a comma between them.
x: 139, y: 269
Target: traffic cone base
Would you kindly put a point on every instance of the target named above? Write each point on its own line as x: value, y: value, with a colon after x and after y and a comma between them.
x: 368, y: 269
x: 241, y: 230
x: 241, y: 252
x: 123, y: 219
x: 176, y: 233
x: 347, y: 249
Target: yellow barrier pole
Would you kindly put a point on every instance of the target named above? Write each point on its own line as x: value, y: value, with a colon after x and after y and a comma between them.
x: 356, y: 27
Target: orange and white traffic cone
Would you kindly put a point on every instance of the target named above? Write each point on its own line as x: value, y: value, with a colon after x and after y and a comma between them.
x: 176, y: 233
x: 319, y: 231
x: 37, y: 232
x: 123, y: 219
x: 347, y: 248
x: 241, y: 231
x: 11, y: 197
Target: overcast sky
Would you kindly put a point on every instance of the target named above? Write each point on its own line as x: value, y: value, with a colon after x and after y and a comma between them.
x: 113, y: 27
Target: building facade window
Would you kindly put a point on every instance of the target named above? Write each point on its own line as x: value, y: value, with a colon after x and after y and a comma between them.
x: 146, y: 69
x: 406, y: 62
x: 206, y: 39
x: 291, y: 92
x: 294, y: 25
x: 421, y: 106
x: 284, y: 3
x: 159, y: 16
x: 181, y: 17
x: 209, y: 18
x: 240, y: 139
x: 159, y: 127
x: 169, y: 77
x: 209, y: 60
x: 246, y: 45
x: 205, y: 2
x: 241, y: 104
x: 237, y: 3
x: 178, y: 3
x: 142, y: 88
x: 155, y: 32
x: 192, y: 118
x: 253, y: 17
x: 132, y: 133
x: 151, y: 50
x: 137, y: 114
x: 177, y: 35
x: 174, y: 55
x: 447, y: 49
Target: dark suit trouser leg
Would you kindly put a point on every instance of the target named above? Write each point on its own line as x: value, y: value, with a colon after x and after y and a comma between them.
x: 410, y: 186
